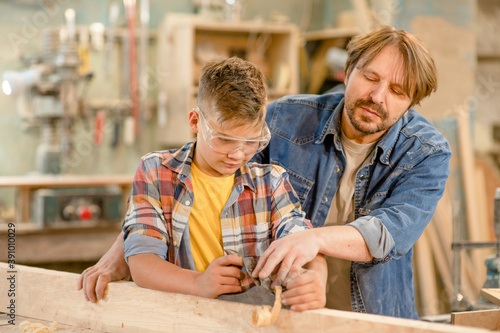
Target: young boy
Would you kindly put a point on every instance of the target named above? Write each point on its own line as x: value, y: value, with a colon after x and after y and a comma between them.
x: 190, y: 205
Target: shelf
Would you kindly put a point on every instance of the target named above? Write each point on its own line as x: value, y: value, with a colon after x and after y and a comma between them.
x: 317, y: 44
x: 26, y: 185
x: 186, y: 42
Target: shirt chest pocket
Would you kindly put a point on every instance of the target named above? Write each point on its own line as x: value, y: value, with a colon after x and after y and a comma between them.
x: 251, y: 240
x: 301, y: 185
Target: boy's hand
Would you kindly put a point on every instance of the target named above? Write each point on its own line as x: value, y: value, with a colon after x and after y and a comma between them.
x: 111, y: 267
x: 306, y: 290
x: 223, y: 276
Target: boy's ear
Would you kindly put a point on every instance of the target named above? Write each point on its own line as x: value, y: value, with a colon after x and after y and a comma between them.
x: 193, y: 119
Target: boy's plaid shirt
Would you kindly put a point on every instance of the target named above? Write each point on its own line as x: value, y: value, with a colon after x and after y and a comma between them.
x: 261, y: 208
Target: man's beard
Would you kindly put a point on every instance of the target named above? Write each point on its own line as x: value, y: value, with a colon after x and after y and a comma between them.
x: 367, y: 125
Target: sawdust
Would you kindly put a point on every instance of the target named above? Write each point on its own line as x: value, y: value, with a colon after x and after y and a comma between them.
x: 266, y: 316
x: 28, y: 327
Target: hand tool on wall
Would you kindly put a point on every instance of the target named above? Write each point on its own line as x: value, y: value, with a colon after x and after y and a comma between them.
x: 134, y: 84
x: 143, y: 60
x: 114, y: 11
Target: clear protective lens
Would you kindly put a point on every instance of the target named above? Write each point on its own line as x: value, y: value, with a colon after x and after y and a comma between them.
x: 226, y: 144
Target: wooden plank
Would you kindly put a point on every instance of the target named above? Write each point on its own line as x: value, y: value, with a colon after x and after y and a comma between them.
x: 489, y: 319
x: 52, y: 296
x: 23, y: 200
x: 425, y: 274
x: 467, y: 161
x: 330, y: 33
x: 491, y: 294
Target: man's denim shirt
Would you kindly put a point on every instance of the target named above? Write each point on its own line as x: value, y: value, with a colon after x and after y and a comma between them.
x: 398, y: 190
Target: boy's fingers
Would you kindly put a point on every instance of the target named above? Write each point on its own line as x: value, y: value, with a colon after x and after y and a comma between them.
x: 89, y: 291
x: 81, y: 280
x: 79, y: 283
x: 102, y: 282
x: 232, y: 271
x: 230, y: 289
x: 230, y: 260
x: 230, y: 281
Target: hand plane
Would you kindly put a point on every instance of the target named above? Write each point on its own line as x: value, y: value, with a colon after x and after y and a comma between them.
x: 259, y: 294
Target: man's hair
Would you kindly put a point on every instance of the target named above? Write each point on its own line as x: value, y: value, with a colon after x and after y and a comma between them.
x: 232, y: 89
x: 420, y: 72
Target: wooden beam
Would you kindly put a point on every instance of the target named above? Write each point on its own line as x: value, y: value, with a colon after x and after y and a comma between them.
x: 491, y: 294
x: 489, y: 319
x: 52, y: 296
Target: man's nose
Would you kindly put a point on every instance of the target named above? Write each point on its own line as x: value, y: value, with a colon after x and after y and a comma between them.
x: 379, y: 93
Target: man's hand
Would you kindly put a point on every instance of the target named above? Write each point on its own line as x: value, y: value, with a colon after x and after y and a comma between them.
x: 293, y: 250
x: 111, y: 267
x: 305, y: 290
x: 223, y: 276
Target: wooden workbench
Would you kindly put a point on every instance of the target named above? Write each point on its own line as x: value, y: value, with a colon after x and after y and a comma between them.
x: 52, y: 296
x: 6, y: 327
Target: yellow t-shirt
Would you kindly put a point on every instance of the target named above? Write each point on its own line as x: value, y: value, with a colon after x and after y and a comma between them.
x: 210, y: 197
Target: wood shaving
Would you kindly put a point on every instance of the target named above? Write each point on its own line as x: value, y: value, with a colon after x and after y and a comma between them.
x: 28, y: 327
x: 266, y: 316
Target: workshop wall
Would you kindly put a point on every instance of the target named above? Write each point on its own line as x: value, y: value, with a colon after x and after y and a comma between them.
x: 21, y: 24
x: 22, y: 21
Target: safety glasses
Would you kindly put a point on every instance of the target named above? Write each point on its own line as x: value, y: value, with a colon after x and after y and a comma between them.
x: 228, y: 144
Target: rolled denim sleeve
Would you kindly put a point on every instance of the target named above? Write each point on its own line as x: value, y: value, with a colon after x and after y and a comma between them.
x: 403, y: 214
x: 378, y: 239
x: 139, y: 244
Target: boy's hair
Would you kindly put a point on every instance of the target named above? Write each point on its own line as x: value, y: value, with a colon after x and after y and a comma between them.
x: 420, y: 71
x: 232, y: 89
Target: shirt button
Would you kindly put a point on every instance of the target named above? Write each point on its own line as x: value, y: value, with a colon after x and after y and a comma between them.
x: 338, y: 169
x: 362, y: 177
x: 175, y: 243
x: 187, y: 202
x: 325, y: 199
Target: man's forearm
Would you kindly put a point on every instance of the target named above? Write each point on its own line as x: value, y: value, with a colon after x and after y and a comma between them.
x: 342, y: 242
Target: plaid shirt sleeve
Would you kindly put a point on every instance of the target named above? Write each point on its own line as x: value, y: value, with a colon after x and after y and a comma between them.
x: 144, y: 225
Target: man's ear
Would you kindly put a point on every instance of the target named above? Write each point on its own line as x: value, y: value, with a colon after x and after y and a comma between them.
x: 193, y: 119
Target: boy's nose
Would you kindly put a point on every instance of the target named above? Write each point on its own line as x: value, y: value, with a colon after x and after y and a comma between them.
x: 237, y: 155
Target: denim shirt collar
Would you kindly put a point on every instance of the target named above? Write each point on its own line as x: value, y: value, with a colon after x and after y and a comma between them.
x: 180, y: 162
x: 385, y: 143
